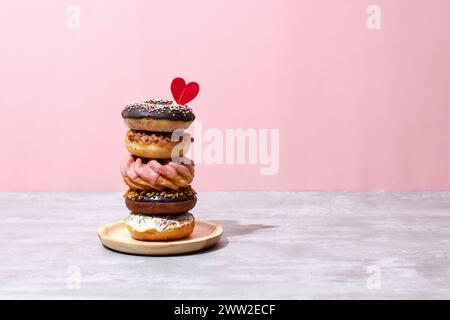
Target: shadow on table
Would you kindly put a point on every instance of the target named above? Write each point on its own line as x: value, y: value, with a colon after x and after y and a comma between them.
x: 233, y: 228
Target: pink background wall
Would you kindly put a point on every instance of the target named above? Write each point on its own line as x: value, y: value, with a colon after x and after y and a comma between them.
x: 357, y: 109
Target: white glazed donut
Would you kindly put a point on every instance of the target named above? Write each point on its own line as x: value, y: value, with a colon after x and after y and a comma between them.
x: 160, y: 227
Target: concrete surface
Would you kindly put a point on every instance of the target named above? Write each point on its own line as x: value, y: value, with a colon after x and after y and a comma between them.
x: 276, y: 245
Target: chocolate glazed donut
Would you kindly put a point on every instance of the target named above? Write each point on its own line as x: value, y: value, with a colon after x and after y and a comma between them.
x: 161, y: 202
x: 157, y: 115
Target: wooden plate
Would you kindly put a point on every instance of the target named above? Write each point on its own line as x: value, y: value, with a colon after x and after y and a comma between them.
x: 116, y: 236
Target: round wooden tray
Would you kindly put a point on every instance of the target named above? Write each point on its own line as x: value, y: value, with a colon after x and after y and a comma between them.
x: 116, y: 237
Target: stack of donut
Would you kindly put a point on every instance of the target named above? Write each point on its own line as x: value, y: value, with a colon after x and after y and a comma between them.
x: 157, y: 172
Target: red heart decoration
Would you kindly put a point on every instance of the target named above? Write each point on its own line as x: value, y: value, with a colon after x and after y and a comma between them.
x: 177, y: 87
x: 182, y: 92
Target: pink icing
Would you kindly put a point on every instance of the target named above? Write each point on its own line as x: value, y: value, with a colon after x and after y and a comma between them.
x: 152, y: 170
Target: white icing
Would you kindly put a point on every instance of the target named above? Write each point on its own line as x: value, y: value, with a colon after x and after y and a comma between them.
x: 142, y: 223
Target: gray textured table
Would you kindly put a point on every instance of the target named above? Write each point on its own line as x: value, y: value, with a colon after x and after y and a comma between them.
x: 275, y: 245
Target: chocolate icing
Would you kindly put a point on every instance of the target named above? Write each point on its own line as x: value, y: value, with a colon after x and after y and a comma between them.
x: 162, y: 199
x: 181, y: 194
x: 158, y: 109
